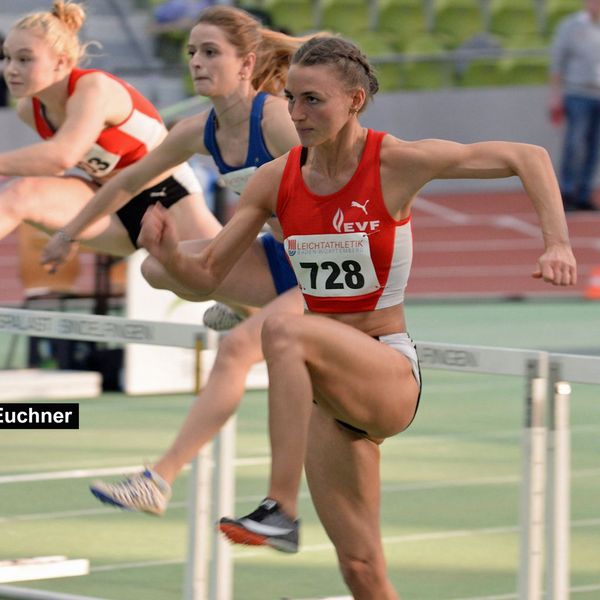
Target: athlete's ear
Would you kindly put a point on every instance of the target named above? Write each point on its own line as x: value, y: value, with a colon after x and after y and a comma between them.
x: 63, y: 62
x: 247, y: 67
x: 358, y: 100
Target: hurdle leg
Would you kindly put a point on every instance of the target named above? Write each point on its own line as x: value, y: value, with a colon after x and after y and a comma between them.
x: 199, y: 509
x: 531, y: 568
x: 559, y: 493
x: 223, y: 503
x: 199, y: 527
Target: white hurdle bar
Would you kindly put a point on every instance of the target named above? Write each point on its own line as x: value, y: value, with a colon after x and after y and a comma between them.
x: 206, y: 564
x: 547, y: 374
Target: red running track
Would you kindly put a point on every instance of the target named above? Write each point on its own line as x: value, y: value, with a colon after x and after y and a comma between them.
x: 468, y: 245
x: 487, y: 244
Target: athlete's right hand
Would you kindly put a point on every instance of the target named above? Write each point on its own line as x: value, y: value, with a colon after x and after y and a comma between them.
x: 159, y: 235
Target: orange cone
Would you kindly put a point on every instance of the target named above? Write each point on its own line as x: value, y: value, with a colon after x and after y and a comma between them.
x: 592, y: 291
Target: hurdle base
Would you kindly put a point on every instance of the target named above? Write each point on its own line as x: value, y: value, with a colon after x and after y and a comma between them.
x: 45, y: 384
x: 42, y: 567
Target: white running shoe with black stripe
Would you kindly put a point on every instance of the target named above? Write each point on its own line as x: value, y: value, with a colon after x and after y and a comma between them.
x: 144, y: 492
x: 266, y: 526
x: 220, y: 317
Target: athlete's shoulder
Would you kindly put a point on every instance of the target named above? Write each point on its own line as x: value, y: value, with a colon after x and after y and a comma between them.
x: 394, y: 149
x: 190, y: 132
x: 273, y: 168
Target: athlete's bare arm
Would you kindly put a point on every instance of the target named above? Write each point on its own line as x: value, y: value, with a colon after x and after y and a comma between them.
x: 408, y: 166
x: 86, y: 113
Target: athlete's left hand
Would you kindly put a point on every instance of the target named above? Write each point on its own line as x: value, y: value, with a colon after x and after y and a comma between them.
x: 57, y: 251
x: 557, y: 266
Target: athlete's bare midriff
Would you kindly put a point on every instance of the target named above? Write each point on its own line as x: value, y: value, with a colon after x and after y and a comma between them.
x: 384, y: 321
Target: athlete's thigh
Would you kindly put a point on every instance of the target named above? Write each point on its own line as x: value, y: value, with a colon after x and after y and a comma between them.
x: 342, y: 471
x: 193, y: 218
x: 360, y: 379
x: 56, y: 200
x: 249, y: 282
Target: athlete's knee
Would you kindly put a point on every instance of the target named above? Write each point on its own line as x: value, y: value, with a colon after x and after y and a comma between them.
x: 362, y: 573
x: 241, y: 346
x: 280, y: 333
x: 19, y: 198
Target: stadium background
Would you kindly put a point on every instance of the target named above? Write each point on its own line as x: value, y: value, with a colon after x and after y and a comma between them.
x: 464, y: 70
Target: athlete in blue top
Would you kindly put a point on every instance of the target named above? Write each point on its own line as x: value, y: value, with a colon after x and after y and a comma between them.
x: 231, y: 59
x: 237, y: 177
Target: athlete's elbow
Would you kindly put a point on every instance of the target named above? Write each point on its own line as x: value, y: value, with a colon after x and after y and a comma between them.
x: 61, y: 159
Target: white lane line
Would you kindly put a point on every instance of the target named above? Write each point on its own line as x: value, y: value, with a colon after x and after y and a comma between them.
x: 443, y: 212
x: 253, y: 498
x: 496, y: 245
x: 459, y: 218
x: 580, y: 589
x: 328, y: 547
x: 494, y: 271
x: 101, y: 472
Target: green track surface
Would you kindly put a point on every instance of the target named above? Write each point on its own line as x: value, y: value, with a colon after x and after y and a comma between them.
x: 450, y: 483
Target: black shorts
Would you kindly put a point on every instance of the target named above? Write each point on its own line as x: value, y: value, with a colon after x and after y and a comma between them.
x: 167, y: 192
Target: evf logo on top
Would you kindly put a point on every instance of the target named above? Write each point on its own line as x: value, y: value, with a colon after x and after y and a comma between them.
x: 355, y: 224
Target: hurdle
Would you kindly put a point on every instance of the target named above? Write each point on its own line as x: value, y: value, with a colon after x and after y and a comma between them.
x: 545, y: 491
x: 207, y: 567
x: 544, y: 507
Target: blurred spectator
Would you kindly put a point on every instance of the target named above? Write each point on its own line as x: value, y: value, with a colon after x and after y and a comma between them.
x: 3, y: 89
x: 575, y: 98
x: 174, y: 11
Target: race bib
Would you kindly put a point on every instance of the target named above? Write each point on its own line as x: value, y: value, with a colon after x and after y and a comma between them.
x: 334, y: 265
x: 98, y: 162
x: 237, y: 180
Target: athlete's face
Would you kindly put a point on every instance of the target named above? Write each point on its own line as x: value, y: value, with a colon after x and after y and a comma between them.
x: 318, y: 102
x: 215, y: 67
x: 30, y: 65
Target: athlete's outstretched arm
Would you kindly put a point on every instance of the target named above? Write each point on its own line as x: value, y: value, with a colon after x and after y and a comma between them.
x: 439, y: 159
x: 86, y: 113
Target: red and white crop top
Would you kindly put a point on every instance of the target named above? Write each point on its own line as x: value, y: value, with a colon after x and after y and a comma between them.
x: 349, y: 254
x: 119, y: 145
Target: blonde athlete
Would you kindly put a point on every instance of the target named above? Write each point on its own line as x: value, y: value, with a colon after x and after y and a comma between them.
x: 240, y: 66
x: 343, y: 376
x: 89, y: 119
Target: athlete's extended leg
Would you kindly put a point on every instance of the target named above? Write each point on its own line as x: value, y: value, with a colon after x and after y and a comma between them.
x: 342, y: 470
x: 354, y: 378
x: 220, y: 397
x: 51, y: 202
x: 218, y: 400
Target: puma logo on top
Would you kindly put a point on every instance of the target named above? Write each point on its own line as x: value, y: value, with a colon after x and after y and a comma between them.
x: 362, y: 207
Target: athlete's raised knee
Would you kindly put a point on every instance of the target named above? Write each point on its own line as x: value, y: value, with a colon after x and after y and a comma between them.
x: 19, y: 199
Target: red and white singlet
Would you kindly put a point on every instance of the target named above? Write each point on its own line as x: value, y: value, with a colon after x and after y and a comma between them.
x: 349, y: 254
x: 119, y: 145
